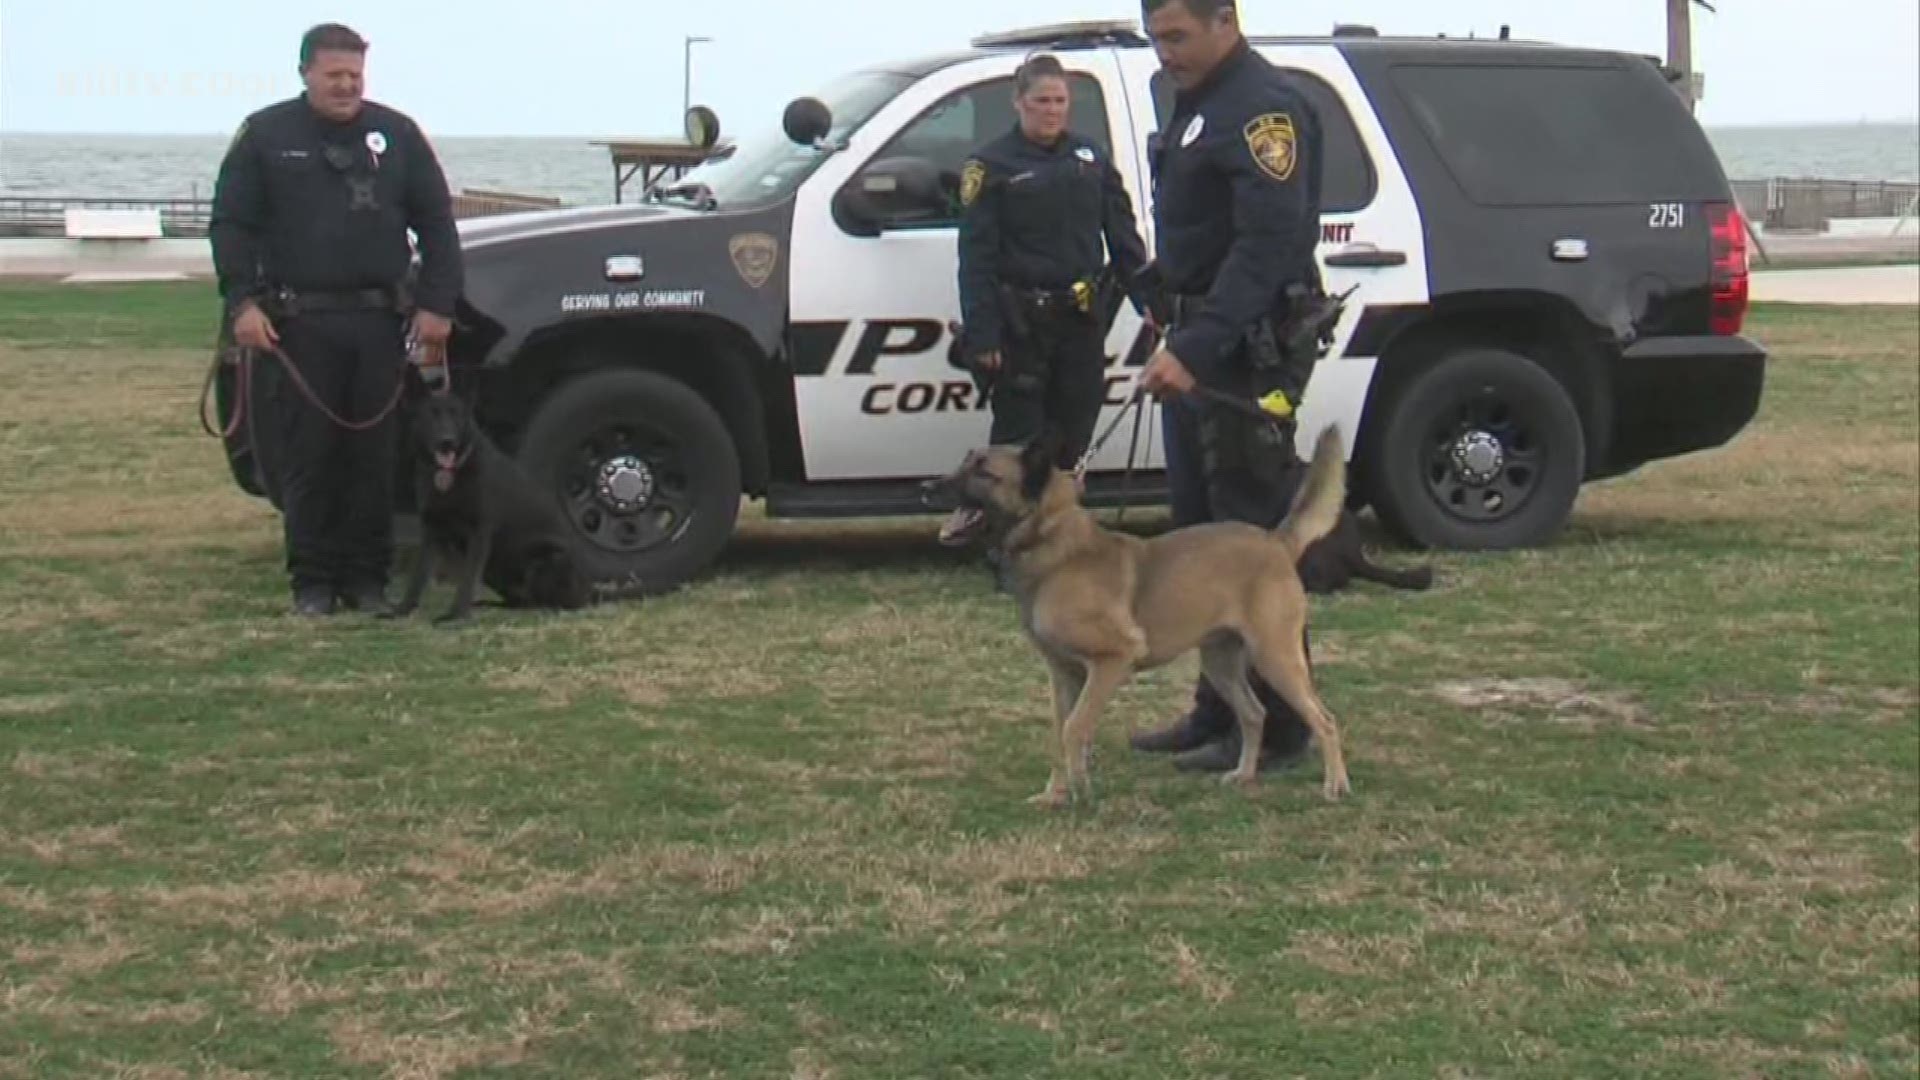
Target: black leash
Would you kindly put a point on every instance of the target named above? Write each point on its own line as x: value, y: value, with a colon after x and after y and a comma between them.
x: 1133, y: 402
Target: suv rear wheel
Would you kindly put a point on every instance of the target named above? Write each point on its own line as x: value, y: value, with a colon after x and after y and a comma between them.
x: 644, y: 470
x: 1481, y: 451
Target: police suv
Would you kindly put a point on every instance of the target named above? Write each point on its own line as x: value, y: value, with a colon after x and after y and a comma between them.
x: 1549, y: 267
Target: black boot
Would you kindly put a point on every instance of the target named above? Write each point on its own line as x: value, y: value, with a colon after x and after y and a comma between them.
x: 313, y: 601
x: 368, y: 598
x: 1284, y: 738
x: 1208, y: 720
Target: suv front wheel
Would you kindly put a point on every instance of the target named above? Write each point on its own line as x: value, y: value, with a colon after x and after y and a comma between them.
x: 644, y: 470
x: 1481, y: 451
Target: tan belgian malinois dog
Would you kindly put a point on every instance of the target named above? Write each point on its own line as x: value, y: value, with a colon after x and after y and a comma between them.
x: 1102, y: 605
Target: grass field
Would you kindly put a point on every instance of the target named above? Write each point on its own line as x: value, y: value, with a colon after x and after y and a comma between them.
x: 1644, y: 804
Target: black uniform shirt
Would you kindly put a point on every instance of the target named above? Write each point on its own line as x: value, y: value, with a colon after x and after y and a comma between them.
x: 1236, y: 203
x: 306, y: 202
x: 1034, y: 217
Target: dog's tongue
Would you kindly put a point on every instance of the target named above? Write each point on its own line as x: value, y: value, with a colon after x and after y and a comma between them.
x: 959, y: 524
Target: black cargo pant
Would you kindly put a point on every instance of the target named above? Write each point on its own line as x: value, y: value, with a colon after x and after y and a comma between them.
x: 1223, y: 465
x: 1053, y: 374
x: 336, y: 485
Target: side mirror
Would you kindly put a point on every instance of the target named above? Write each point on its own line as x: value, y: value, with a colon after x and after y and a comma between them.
x: 890, y: 193
x: 703, y: 127
x: 807, y: 120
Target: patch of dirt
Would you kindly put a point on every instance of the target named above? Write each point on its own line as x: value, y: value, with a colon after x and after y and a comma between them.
x: 1192, y: 972
x: 413, y: 1056
x: 1377, y: 956
x: 1560, y: 700
x: 671, y: 1014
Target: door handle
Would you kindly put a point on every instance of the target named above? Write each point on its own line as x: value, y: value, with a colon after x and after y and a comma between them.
x: 1366, y: 255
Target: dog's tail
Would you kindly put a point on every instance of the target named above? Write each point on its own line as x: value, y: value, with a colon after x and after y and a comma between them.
x: 1322, y: 495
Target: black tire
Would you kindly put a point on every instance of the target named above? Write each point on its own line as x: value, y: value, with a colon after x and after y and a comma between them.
x: 1484, y: 451
x: 645, y: 471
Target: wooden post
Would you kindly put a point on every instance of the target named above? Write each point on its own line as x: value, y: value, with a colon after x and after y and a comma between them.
x: 1680, y: 45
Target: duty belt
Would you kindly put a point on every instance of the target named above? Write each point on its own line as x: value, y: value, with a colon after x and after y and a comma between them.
x: 288, y: 301
x: 1078, y: 297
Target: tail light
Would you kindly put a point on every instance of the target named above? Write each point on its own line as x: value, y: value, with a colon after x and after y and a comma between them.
x: 1729, y: 275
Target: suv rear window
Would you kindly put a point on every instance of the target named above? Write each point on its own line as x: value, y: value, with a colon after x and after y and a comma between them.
x: 1556, y: 135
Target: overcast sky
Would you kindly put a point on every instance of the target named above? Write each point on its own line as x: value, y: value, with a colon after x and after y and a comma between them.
x: 612, y: 68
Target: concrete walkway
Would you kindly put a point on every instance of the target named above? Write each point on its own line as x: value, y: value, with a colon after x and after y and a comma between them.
x: 1846, y: 285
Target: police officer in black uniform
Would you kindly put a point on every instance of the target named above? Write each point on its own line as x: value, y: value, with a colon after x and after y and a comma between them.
x: 309, y: 234
x: 1034, y: 297
x: 1237, y: 209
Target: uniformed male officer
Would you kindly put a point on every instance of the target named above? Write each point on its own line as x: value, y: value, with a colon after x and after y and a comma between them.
x: 1037, y: 203
x: 309, y: 232
x: 1237, y: 209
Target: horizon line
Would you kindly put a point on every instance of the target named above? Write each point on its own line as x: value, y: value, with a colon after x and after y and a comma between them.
x: 1869, y: 121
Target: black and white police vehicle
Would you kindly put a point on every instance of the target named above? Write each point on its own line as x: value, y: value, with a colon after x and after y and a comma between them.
x: 1551, y: 273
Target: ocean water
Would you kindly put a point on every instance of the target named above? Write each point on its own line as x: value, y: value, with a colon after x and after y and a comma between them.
x: 575, y: 170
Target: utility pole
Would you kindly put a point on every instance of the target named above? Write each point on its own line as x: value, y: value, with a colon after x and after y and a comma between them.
x: 1680, y: 46
x: 686, y: 69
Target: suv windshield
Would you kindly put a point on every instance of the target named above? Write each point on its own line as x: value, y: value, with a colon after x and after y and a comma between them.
x: 767, y: 166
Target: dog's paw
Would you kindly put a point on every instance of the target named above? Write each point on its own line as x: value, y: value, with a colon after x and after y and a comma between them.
x: 393, y: 613
x: 451, y: 619
x: 1236, y: 779
x: 1335, y: 786
x: 1053, y: 798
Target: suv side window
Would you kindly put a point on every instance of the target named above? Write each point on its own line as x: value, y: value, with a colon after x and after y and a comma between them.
x: 958, y: 124
x: 1348, y: 181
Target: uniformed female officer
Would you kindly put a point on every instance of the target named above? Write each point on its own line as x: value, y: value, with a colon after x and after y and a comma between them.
x: 1037, y: 202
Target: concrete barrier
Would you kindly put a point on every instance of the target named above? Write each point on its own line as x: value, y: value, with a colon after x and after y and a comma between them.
x: 90, y: 223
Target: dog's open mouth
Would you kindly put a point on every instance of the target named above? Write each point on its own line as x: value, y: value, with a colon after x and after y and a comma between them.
x: 447, y: 459
x: 962, y: 526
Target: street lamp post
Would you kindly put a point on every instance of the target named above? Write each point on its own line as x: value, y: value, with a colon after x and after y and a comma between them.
x: 686, y: 68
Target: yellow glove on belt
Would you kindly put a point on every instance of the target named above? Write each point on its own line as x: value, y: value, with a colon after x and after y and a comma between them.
x: 1276, y: 405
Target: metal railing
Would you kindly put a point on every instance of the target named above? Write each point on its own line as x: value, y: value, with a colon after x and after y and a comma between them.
x: 45, y: 215
x: 1777, y: 202
x: 1809, y: 202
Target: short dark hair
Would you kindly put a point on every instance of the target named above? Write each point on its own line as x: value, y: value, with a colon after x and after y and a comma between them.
x: 1200, y: 9
x: 330, y: 37
x: 1038, y: 66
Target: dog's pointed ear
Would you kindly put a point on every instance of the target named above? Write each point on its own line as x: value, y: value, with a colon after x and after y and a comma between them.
x: 1036, y: 461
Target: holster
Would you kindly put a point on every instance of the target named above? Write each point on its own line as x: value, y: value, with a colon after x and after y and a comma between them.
x: 1013, y: 313
x: 1284, y: 348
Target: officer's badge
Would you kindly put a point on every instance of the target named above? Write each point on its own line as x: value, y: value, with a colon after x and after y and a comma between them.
x: 1272, y: 142
x: 377, y: 142
x: 754, y: 256
x: 972, y: 175
x: 1085, y: 154
x: 1193, y: 131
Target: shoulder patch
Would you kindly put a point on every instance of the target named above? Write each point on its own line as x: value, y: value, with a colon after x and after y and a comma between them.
x: 1271, y: 140
x: 972, y: 175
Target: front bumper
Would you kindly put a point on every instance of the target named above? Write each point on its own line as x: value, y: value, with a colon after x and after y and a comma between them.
x: 1678, y: 395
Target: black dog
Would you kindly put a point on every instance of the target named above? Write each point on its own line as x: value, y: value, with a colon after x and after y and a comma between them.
x: 480, y: 511
x: 1335, y: 560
